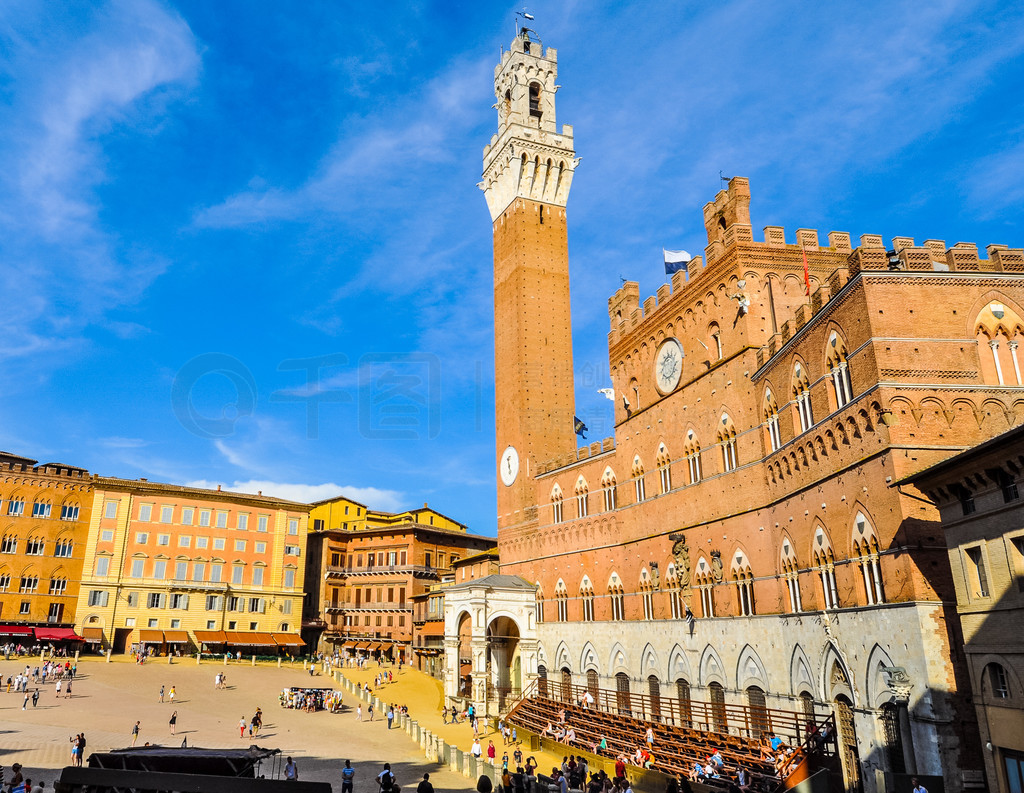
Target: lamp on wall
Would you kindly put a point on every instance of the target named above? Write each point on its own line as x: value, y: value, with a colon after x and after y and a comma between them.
x: 886, y: 417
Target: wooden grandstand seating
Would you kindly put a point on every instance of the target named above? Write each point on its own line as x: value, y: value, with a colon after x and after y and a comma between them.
x: 678, y: 745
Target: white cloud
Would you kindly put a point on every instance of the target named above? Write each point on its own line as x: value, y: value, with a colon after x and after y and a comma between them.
x: 65, y: 91
x: 373, y: 497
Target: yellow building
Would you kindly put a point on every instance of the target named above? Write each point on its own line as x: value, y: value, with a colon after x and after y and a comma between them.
x: 44, y: 519
x: 173, y: 568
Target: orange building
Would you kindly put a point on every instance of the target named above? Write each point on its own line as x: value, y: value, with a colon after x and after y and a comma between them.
x: 172, y: 568
x: 738, y: 540
x: 365, y: 567
x: 44, y: 515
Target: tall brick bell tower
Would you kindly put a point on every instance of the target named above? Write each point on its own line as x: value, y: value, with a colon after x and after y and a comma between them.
x: 528, y: 168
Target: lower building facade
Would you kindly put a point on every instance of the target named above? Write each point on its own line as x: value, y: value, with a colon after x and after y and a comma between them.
x: 44, y: 523
x: 978, y: 493
x: 367, y: 569
x: 173, y: 569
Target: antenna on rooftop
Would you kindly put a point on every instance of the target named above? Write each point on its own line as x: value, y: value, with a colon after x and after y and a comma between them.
x: 725, y: 179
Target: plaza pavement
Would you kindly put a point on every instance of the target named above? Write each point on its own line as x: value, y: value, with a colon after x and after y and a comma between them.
x: 107, y: 699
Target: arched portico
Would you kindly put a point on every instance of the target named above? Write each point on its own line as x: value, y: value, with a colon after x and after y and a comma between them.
x: 490, y: 641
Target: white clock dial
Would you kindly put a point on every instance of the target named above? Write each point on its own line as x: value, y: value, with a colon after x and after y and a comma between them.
x: 668, y: 366
x: 509, y: 466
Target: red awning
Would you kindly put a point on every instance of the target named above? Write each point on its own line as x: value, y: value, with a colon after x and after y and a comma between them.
x: 15, y: 630
x: 176, y: 637
x: 288, y: 640
x: 57, y: 635
x: 147, y: 636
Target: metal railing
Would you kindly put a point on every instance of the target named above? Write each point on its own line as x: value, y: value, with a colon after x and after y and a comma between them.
x: 743, y: 720
x: 382, y: 568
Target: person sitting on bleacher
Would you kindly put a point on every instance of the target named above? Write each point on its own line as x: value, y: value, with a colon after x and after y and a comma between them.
x: 697, y: 772
x: 570, y: 735
x: 549, y: 730
x: 716, y: 758
x: 600, y: 746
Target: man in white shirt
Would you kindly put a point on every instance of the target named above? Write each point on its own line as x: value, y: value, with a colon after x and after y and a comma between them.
x: 476, y: 751
x: 918, y: 787
x: 291, y: 771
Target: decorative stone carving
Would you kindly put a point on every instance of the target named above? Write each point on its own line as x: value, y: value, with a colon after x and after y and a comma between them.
x: 681, y: 553
x: 716, y: 566
x: 898, y: 682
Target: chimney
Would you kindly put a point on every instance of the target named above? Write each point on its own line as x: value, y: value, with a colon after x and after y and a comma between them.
x: 218, y: 488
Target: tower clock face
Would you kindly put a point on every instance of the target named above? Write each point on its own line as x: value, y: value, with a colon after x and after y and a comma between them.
x: 668, y: 366
x: 509, y: 466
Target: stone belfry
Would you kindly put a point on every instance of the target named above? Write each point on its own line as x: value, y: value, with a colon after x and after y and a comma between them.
x: 528, y: 169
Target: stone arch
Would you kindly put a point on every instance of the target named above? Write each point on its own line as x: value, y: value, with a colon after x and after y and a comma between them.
x: 877, y: 692
x: 618, y: 659
x: 712, y: 670
x: 801, y: 678
x: 588, y: 659
x: 750, y: 670
x: 678, y: 666
x: 649, y: 663
x: 836, y: 679
x: 562, y: 656
x: 983, y: 688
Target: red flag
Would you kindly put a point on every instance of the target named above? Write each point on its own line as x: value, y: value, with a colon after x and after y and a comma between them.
x: 807, y: 275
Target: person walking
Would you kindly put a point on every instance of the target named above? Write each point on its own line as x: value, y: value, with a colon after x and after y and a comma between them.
x: 241, y: 727
x: 25, y: 703
x: 425, y: 786
x: 161, y: 694
x: 58, y: 688
x: 369, y: 709
x: 391, y: 716
x: 67, y: 690
x: 348, y: 776
x: 174, y: 720
x: 135, y: 732
x: 291, y: 771
x: 35, y: 698
x: 170, y: 695
x: 386, y: 780
x: 359, y: 712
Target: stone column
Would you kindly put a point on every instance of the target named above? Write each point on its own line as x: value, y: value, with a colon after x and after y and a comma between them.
x: 898, y: 682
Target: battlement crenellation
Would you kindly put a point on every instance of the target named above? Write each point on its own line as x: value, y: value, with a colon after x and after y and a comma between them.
x: 627, y: 312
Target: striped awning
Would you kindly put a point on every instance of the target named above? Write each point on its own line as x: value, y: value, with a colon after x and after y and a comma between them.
x: 287, y: 640
x: 209, y: 637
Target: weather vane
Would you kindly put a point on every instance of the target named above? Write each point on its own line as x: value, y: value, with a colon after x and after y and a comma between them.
x: 525, y: 16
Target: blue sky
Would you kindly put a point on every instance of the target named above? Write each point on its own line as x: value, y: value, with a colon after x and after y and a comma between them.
x: 242, y: 243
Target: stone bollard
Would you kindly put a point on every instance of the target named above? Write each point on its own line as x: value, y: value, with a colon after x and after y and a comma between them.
x: 254, y: 660
x: 170, y: 658
x: 225, y: 659
x: 303, y: 664
x: 279, y: 662
x: 108, y: 655
x: 199, y: 657
x: 76, y: 656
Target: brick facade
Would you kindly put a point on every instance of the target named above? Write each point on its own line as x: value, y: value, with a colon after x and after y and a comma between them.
x: 755, y: 492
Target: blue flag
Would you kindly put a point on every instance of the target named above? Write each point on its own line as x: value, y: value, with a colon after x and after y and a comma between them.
x: 676, y: 261
x: 579, y: 426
